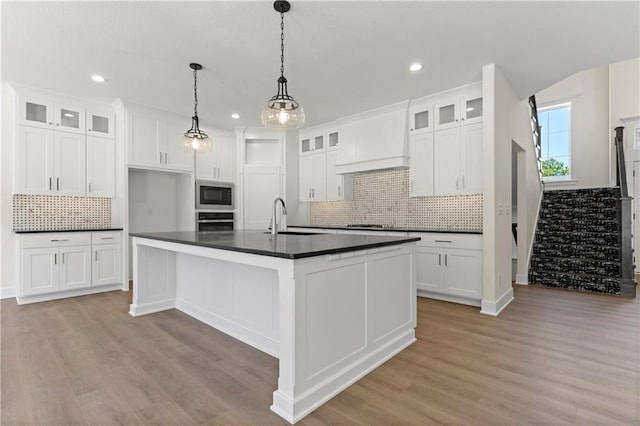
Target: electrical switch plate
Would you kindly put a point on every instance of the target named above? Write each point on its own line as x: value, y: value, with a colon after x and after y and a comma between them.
x: 507, y: 209
x: 500, y: 209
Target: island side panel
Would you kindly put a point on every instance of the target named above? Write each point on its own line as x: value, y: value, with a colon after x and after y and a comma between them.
x: 154, y: 278
x: 348, y: 313
x: 238, y: 299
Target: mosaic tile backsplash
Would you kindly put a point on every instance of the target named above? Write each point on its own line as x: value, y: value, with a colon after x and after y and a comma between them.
x: 382, y: 198
x: 44, y: 212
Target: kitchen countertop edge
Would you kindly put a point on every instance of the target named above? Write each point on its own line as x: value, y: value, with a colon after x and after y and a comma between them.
x: 385, y: 229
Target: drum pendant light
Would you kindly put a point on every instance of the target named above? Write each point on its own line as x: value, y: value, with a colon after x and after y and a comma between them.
x: 282, y: 110
x: 194, y: 138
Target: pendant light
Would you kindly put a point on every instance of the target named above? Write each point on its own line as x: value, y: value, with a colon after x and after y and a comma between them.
x: 194, y: 138
x: 282, y: 110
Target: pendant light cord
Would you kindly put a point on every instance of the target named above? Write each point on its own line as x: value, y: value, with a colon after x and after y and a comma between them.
x: 195, y: 92
x: 282, y: 44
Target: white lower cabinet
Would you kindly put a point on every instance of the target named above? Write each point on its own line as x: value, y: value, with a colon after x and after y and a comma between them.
x: 449, y: 267
x: 51, y: 265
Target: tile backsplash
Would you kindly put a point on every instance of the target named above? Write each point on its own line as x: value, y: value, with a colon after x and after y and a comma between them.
x: 45, y: 212
x: 382, y: 197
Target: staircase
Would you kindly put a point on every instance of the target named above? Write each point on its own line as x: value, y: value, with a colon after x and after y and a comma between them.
x: 577, y: 243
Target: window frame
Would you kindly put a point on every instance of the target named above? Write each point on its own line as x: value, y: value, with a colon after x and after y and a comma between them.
x: 558, y: 105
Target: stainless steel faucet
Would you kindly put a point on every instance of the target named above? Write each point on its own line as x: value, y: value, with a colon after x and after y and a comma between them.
x: 274, y: 223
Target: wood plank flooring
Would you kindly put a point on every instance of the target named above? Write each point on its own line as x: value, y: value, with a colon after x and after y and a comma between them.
x: 551, y: 358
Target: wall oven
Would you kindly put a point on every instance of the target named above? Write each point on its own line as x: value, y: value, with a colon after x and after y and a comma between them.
x: 214, y: 221
x: 214, y: 195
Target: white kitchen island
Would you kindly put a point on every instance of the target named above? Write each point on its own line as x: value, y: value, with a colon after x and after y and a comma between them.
x: 330, y: 307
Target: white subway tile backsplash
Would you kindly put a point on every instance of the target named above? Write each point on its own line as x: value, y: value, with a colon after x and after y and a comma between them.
x: 45, y: 212
x: 382, y: 197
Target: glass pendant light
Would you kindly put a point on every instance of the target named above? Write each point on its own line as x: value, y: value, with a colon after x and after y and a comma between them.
x: 282, y: 111
x: 194, y: 138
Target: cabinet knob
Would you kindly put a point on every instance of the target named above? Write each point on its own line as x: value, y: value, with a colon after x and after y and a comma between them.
x: 57, y: 124
x: 50, y: 123
x: 89, y: 130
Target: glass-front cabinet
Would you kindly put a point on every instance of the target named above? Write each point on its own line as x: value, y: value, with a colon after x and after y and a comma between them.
x: 44, y: 113
x: 421, y: 117
x: 69, y: 118
x: 459, y: 109
x: 313, y: 140
x: 100, y: 124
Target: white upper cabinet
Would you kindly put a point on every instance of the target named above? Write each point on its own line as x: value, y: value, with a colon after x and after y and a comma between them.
x: 69, y: 118
x: 100, y: 167
x: 313, y: 140
x: 217, y: 164
x: 313, y: 177
x: 100, y: 124
x: 457, y: 108
x: 420, y: 117
x: 458, y: 161
x: 46, y: 113
x: 69, y: 164
x: 154, y: 140
x: 421, y: 165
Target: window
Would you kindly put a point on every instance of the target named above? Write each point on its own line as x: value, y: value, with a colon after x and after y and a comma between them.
x: 555, y: 124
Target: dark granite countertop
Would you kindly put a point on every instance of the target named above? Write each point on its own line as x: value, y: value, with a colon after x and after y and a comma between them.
x: 386, y: 229
x: 281, y: 245
x: 69, y: 230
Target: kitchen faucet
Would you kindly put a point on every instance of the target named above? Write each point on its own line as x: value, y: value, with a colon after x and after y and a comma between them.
x: 274, y: 223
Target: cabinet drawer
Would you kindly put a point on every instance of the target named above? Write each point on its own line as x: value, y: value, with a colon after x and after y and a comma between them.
x: 57, y: 239
x: 449, y: 240
x: 107, y: 237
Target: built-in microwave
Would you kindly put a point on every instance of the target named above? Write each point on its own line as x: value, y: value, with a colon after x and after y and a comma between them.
x: 214, y: 195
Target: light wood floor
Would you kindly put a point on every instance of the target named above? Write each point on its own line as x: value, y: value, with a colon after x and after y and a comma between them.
x: 551, y: 358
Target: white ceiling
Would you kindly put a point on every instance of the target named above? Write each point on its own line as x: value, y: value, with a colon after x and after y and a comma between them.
x: 341, y: 57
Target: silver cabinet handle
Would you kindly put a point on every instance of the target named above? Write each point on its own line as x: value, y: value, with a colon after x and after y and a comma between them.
x: 439, y: 259
x: 106, y: 238
x: 166, y: 158
x: 457, y: 178
x: 63, y: 258
x: 50, y: 185
x: 445, y: 260
x: 57, y: 184
x: 160, y: 153
x: 89, y: 186
x: 339, y: 186
x: 96, y: 255
x: 443, y: 241
x: 55, y: 258
x: 313, y: 192
x: 462, y: 182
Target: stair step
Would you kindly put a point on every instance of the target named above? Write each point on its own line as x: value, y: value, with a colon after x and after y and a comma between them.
x: 576, y: 251
x: 577, y: 266
x: 575, y: 281
x: 578, y: 237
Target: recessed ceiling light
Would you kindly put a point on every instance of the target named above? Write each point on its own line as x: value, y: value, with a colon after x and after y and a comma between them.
x: 68, y: 114
x: 235, y: 116
x: 98, y: 78
x: 415, y: 67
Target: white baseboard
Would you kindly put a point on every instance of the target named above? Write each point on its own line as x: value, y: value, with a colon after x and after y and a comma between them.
x: 522, y: 279
x: 7, y: 292
x: 492, y: 308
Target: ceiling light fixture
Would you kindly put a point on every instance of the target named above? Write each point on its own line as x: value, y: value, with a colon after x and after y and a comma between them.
x: 282, y: 110
x: 194, y: 138
x: 235, y: 116
x: 98, y: 78
x: 415, y: 67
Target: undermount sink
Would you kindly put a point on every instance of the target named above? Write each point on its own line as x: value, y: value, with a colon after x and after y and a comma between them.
x: 295, y: 233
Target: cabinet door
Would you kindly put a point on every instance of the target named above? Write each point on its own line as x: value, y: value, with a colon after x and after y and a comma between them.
x: 74, y: 264
x: 35, y: 112
x: 446, y: 158
x: 305, y: 180
x: 421, y: 165
x: 224, y: 155
x: 429, y: 269
x: 333, y: 139
x: 144, y: 133
x: 106, y: 264
x: 447, y: 113
x: 100, y: 124
x: 471, y: 153
x: 335, y: 189
x: 472, y: 110
x: 69, y: 163
x: 463, y: 273
x: 319, y: 175
x: 100, y: 167
x: 421, y: 118
x: 69, y: 118
x: 176, y: 157
x: 39, y: 271
x: 35, y: 161
x: 261, y: 187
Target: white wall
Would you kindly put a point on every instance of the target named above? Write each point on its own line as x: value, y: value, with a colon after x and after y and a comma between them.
x: 500, y: 106
x: 7, y: 237
x: 588, y: 92
x: 624, y: 78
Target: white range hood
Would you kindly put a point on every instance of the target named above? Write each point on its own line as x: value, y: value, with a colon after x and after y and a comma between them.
x: 374, y: 140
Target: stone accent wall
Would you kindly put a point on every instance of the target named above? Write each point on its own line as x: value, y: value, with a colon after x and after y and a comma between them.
x: 382, y: 198
x: 45, y: 212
